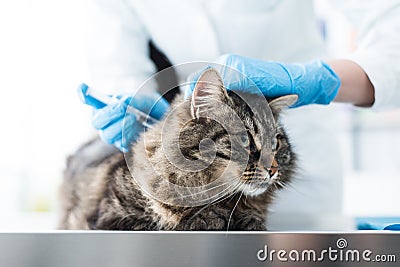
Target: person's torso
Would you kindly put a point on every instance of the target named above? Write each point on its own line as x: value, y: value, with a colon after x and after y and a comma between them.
x: 201, y: 30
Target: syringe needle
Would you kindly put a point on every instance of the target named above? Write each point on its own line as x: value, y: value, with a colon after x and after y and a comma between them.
x: 98, y: 100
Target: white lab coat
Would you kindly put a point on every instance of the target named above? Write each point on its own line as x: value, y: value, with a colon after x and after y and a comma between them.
x: 202, y: 30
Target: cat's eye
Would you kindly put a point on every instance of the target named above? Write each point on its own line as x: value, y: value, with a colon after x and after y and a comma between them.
x: 244, y: 139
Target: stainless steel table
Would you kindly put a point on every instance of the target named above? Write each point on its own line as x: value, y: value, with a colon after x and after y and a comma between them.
x: 98, y: 248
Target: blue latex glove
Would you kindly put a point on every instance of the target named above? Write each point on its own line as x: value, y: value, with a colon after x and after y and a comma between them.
x: 109, y: 119
x: 314, y: 82
x: 393, y: 227
x: 378, y: 223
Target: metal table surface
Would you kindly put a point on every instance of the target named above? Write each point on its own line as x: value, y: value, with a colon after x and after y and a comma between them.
x: 104, y: 248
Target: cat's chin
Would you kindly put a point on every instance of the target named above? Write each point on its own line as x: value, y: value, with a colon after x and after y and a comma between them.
x: 254, y: 190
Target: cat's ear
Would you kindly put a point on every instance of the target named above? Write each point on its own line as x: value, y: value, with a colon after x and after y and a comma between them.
x: 281, y: 103
x: 208, y: 92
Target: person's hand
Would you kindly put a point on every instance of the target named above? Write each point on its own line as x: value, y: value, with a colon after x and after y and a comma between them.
x: 314, y: 82
x: 109, y: 119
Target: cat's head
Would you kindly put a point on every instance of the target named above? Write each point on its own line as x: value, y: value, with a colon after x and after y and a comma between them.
x: 223, y: 134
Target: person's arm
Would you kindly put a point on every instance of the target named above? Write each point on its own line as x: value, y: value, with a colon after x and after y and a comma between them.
x: 355, y: 87
x: 119, y: 63
x: 369, y: 77
x: 377, y: 53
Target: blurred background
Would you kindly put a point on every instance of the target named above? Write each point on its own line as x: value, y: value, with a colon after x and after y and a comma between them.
x: 43, y: 60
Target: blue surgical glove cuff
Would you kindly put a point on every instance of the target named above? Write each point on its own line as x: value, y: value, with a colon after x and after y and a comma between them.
x: 314, y: 82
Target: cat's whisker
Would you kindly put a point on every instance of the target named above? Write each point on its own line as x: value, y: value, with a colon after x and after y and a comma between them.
x: 222, y: 194
x: 279, y: 183
x: 234, y: 178
x: 123, y: 218
x: 164, y: 195
x: 231, y: 195
x: 209, y: 189
x: 216, y: 201
x: 291, y: 187
x: 190, y: 192
x: 237, y: 189
x: 233, y: 190
x: 275, y: 185
x: 224, y: 198
x: 202, y: 192
x: 230, y: 216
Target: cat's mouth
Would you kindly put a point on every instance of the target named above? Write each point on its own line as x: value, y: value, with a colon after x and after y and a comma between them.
x: 256, y: 180
x: 255, y: 173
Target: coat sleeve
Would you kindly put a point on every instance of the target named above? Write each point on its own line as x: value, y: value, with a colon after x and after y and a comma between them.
x: 118, y: 48
x: 377, y: 23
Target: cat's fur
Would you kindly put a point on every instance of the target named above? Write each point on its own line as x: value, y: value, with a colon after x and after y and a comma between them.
x: 99, y: 192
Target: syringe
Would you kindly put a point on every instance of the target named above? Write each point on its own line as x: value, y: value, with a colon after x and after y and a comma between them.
x: 98, y: 100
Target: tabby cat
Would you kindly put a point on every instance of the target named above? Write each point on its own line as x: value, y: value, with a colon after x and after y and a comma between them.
x: 100, y: 192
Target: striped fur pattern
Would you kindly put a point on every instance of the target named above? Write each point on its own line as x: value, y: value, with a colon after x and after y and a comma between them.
x: 100, y: 193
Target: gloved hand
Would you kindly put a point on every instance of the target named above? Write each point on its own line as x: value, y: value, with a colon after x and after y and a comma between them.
x: 109, y: 119
x: 314, y: 82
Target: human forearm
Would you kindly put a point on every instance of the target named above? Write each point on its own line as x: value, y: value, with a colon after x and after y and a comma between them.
x: 315, y: 82
x: 355, y: 88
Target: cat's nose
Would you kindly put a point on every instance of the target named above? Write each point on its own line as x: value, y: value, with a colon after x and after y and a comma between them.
x: 273, y: 169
